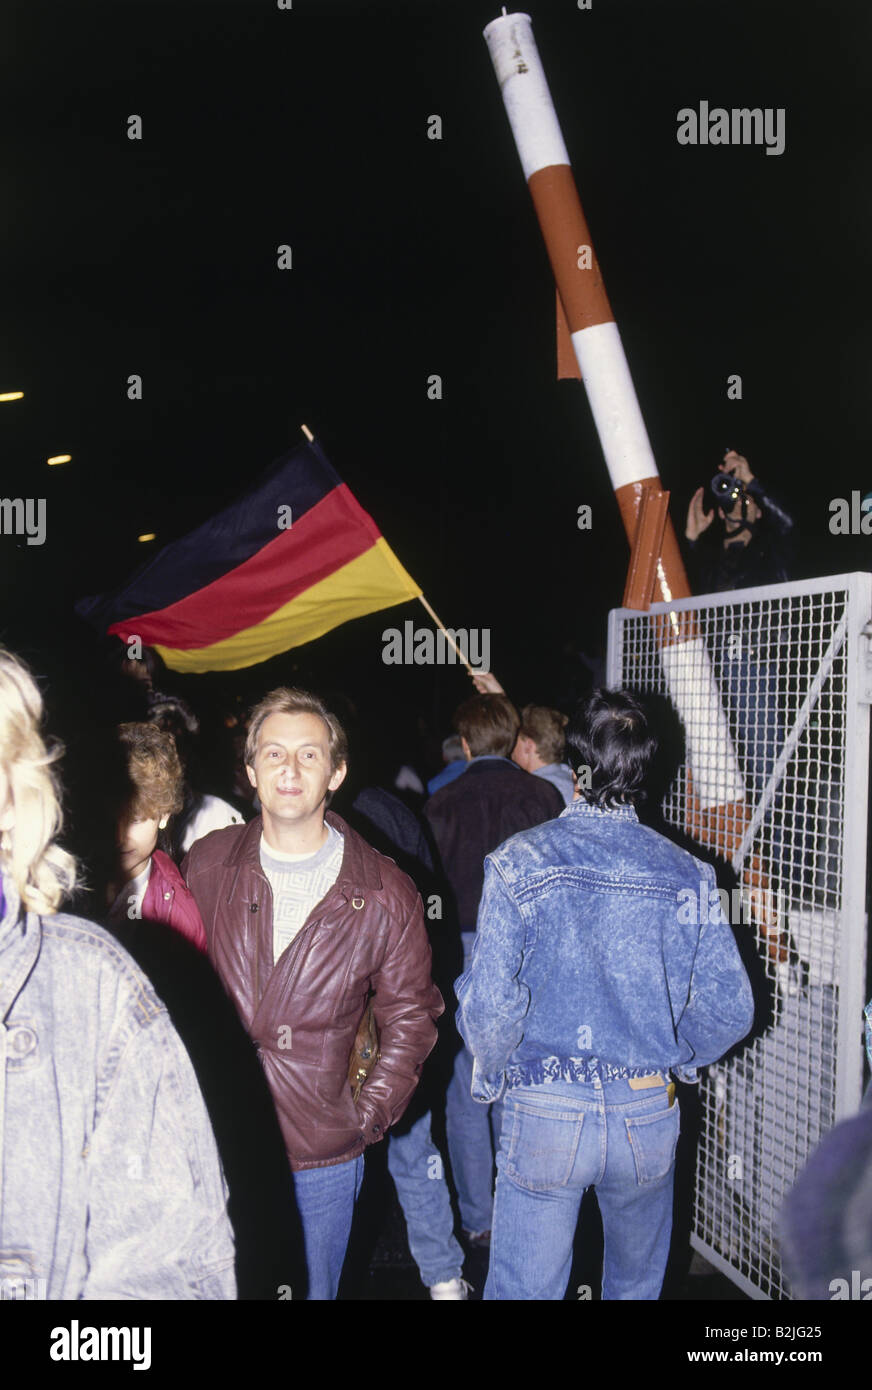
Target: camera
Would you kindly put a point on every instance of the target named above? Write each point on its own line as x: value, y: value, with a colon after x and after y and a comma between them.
x: 728, y: 490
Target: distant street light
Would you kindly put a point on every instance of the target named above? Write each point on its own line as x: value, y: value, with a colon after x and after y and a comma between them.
x: 11, y: 395
x: 58, y: 458
x: 149, y: 536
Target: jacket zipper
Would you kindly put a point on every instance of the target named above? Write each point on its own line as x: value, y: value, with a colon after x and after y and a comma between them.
x: 296, y: 945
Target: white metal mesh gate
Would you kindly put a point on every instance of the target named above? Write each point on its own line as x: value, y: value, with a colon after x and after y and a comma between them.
x: 772, y: 688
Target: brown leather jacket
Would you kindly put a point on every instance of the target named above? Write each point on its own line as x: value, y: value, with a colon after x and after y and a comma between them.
x: 367, y: 933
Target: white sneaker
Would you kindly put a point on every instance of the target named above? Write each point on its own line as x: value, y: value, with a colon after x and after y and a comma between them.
x: 451, y: 1288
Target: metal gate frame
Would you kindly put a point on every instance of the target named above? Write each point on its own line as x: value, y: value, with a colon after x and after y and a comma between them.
x: 850, y: 641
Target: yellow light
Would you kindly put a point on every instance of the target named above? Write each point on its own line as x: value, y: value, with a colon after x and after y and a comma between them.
x: 11, y: 395
x: 59, y: 458
x: 149, y: 536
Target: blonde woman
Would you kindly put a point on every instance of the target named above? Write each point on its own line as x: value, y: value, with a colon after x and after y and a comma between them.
x: 111, y: 1183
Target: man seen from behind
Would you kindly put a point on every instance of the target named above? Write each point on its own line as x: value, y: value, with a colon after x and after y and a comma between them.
x: 588, y: 986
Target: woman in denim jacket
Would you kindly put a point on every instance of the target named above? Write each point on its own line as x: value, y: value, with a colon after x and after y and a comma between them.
x: 602, y: 962
x: 111, y: 1183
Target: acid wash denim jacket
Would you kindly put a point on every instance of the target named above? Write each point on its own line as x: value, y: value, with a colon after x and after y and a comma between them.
x: 586, y: 963
x: 110, y: 1182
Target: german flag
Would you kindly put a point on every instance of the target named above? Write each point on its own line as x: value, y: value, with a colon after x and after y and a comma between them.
x: 291, y: 559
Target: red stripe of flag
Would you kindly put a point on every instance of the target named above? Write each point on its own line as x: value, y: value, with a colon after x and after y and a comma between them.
x: 329, y: 535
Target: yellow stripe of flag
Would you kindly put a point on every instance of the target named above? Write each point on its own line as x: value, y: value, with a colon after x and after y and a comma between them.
x: 374, y: 580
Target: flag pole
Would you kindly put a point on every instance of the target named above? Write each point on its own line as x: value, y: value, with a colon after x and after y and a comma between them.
x: 447, y: 635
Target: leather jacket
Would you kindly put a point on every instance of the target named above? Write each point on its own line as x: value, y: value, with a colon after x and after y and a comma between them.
x: 168, y: 899
x: 366, y: 934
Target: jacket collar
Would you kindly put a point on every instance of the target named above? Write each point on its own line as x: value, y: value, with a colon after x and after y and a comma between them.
x: 11, y: 917
x: 165, y: 871
x: 360, y: 862
x: 584, y: 808
x: 20, y: 937
x: 490, y: 762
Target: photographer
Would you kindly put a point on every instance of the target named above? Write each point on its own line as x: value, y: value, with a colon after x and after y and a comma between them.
x: 748, y: 545
x: 741, y: 544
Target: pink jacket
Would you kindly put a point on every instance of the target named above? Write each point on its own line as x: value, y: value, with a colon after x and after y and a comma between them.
x: 168, y: 899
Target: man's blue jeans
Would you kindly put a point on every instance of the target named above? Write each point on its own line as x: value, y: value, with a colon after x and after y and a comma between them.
x: 415, y: 1164
x: 468, y: 1131
x: 751, y: 688
x: 325, y: 1201
x: 558, y: 1139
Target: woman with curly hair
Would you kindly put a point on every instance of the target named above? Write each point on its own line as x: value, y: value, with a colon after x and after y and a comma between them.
x: 146, y: 884
x: 111, y: 1182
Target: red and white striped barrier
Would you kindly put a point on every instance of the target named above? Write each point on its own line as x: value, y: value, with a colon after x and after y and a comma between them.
x: 717, y: 778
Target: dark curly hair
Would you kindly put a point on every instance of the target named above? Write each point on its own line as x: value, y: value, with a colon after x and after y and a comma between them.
x: 154, y: 769
x: 610, y: 734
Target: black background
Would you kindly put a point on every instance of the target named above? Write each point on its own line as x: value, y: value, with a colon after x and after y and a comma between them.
x: 413, y: 256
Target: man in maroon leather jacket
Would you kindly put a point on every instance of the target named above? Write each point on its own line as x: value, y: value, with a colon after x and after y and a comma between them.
x: 303, y: 920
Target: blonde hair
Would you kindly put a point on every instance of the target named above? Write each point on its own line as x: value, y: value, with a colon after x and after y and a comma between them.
x: 43, y: 873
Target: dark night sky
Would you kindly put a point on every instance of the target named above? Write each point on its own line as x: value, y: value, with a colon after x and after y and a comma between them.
x: 414, y: 257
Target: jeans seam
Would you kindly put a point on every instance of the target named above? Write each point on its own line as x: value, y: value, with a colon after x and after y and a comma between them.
x: 631, y: 1122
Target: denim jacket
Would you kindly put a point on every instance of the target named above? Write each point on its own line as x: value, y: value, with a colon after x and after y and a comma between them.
x: 110, y: 1183
x: 587, y: 961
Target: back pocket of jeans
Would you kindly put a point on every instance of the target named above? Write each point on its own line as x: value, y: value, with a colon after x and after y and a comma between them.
x: 653, y: 1139
x: 543, y: 1146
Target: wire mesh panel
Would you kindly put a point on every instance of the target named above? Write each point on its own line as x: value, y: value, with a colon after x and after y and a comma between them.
x: 769, y: 691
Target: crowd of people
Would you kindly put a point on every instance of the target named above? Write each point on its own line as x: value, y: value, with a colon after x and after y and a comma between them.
x: 528, y: 902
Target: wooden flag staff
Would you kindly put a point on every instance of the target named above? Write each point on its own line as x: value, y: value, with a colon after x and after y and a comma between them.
x: 446, y: 634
